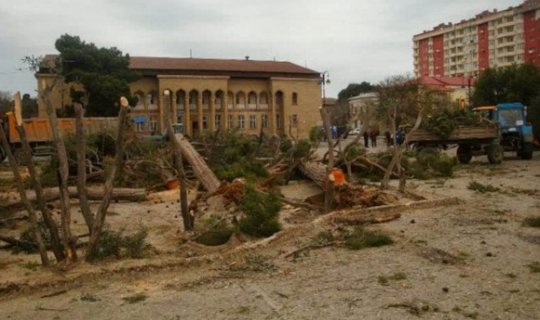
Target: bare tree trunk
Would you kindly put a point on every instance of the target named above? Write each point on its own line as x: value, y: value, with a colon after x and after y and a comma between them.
x: 386, y: 179
x: 187, y: 219
x: 402, y: 179
x: 20, y: 186
x: 329, y: 186
x: 56, y: 243
x: 63, y: 174
x: 97, y: 228
x: 81, y: 167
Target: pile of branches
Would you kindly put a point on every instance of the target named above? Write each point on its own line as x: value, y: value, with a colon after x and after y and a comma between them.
x: 444, y: 121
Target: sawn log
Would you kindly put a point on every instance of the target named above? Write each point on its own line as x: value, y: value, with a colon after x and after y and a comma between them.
x: 203, y: 173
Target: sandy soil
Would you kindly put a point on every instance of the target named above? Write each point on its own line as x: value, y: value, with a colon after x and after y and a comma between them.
x: 467, y: 261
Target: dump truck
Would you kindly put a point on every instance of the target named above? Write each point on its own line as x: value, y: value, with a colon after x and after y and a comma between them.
x: 39, y: 134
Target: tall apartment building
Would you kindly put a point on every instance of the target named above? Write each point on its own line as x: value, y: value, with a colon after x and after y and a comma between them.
x: 490, y: 39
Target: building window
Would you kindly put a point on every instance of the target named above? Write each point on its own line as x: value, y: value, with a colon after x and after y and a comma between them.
x: 217, y: 120
x: 241, y: 121
x: 264, y: 121
x: 179, y: 119
x: 253, y: 121
x: 153, y: 124
x: 204, y: 122
x: 278, y: 121
x: 295, y: 98
x: 294, y: 121
x: 230, y: 123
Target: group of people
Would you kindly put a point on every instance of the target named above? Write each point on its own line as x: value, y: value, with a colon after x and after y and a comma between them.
x: 374, y: 133
x: 371, y: 135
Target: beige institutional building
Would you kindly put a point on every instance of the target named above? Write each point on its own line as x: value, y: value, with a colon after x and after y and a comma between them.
x: 209, y: 94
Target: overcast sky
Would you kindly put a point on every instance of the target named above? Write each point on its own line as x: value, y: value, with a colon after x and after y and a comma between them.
x: 354, y: 40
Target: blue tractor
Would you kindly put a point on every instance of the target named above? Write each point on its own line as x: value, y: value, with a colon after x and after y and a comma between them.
x: 516, y: 134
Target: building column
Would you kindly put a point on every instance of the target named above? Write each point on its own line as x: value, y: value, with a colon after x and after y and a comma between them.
x: 174, y: 112
x: 272, y: 117
x: 225, y: 111
x: 161, y: 102
x: 199, y: 112
x: 212, y: 120
x: 187, y: 115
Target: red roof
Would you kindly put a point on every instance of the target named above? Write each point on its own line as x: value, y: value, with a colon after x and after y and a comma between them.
x: 212, y: 65
x: 197, y: 64
x: 446, y: 83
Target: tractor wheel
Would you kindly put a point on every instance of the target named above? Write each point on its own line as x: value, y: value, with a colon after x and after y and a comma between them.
x: 464, y: 154
x: 527, y: 152
x: 495, y: 154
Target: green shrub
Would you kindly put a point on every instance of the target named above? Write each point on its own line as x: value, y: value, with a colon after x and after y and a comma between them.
x: 361, y: 238
x: 113, y: 243
x: 482, y: 188
x: 135, y: 243
x: 532, y: 222
x: 261, y: 213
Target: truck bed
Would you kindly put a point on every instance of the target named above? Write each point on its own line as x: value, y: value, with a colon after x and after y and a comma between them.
x: 460, y: 134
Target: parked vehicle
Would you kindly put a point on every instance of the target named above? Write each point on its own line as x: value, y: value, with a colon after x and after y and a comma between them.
x: 516, y: 132
x: 471, y: 141
x: 505, y: 129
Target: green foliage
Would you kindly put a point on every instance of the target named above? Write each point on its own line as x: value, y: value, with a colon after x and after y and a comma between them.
x: 6, y: 103
x: 532, y: 222
x: 103, y: 72
x: 361, y: 238
x: 135, y: 243
x: 353, y: 151
x: 431, y: 164
x: 354, y: 89
x: 316, y: 135
x: 27, y: 236
x: 114, y: 243
x: 217, y: 231
x: 534, y: 267
x: 233, y: 154
x: 139, y: 297
x: 482, y: 188
x: 444, y: 121
x: 516, y: 83
x: 29, y: 106
x: 261, y: 213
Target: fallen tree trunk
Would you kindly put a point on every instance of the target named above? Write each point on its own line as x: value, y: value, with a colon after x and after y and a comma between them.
x: 369, y: 218
x: 203, y: 173
x: 316, y: 171
x: 95, y: 193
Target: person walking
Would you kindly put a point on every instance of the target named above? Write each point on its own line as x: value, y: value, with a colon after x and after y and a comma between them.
x: 366, y: 138
x: 373, y: 135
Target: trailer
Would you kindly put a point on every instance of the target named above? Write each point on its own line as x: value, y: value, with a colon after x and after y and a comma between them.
x: 471, y: 141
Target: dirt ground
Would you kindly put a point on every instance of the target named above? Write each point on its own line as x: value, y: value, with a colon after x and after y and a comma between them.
x: 472, y: 260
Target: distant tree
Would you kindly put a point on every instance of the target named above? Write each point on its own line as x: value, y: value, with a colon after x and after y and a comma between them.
x: 354, y: 89
x: 402, y: 101
x: 517, y: 83
x: 103, y: 72
x: 29, y: 106
x: 5, y: 102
